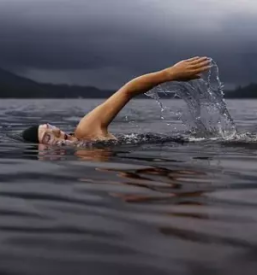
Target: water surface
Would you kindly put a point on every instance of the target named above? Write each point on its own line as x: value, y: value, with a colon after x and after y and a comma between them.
x: 163, y: 202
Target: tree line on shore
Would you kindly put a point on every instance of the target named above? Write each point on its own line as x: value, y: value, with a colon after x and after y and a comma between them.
x: 14, y: 86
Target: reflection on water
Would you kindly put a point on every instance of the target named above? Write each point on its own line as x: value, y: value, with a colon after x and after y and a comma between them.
x: 167, y: 184
x: 166, y: 207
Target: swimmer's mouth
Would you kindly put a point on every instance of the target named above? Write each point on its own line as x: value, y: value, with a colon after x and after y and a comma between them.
x: 66, y: 137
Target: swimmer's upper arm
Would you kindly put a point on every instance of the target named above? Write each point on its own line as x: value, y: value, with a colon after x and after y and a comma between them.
x: 96, y: 122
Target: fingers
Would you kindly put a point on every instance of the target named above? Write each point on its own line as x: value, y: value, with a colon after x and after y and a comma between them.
x: 202, y: 63
x: 199, y: 60
x: 193, y: 58
x: 196, y: 59
x: 202, y: 69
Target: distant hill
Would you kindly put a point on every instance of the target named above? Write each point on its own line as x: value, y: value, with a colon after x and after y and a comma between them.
x: 249, y: 91
x: 14, y: 86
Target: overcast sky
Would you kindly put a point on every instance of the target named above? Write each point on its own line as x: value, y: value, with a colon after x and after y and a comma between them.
x: 107, y: 42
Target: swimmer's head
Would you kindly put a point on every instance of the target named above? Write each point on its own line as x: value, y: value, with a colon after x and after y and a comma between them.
x: 46, y: 134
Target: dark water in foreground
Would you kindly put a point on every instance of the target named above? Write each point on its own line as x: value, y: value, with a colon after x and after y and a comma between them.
x: 137, y: 208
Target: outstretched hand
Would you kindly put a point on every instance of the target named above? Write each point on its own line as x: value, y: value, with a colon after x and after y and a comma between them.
x: 189, y: 69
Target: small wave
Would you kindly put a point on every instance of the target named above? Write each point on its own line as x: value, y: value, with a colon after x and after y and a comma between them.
x: 150, y: 138
x: 232, y: 139
x: 242, y: 137
x: 135, y: 139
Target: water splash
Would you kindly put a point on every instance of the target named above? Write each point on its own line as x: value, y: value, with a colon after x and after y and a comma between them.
x: 207, y: 114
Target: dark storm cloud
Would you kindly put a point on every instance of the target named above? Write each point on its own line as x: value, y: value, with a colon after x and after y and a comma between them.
x: 48, y: 38
x: 59, y: 35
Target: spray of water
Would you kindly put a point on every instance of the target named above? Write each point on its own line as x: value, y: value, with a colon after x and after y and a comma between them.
x: 206, y: 114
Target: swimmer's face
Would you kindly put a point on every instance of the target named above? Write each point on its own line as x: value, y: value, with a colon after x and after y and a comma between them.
x: 52, y: 135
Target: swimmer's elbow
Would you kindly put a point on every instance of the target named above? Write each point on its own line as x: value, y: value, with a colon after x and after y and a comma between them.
x: 131, y: 89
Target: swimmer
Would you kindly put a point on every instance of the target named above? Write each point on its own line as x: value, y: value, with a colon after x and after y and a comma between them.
x: 94, y: 125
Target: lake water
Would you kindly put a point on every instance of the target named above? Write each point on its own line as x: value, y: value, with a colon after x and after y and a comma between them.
x: 162, y: 202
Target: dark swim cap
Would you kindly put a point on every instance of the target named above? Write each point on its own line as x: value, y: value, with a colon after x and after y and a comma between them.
x: 31, y: 134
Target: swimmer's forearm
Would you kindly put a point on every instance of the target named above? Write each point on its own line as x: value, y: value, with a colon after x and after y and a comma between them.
x: 145, y: 83
x: 182, y: 71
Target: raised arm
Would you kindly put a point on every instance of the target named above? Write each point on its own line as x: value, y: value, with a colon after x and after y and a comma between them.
x: 96, y: 122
